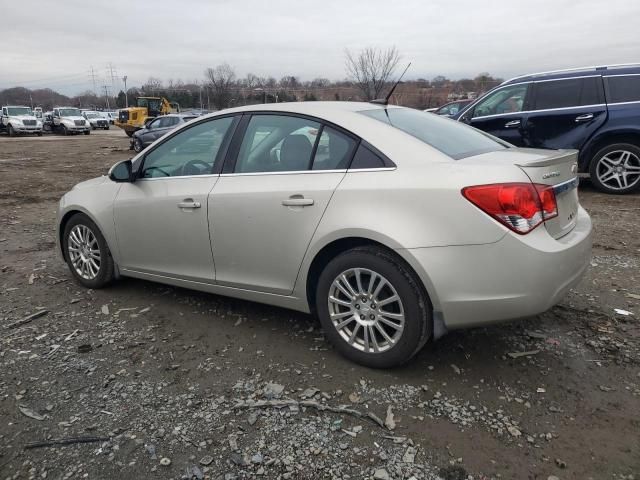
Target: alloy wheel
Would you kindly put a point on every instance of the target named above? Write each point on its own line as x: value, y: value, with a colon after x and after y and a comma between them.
x: 84, y: 252
x: 619, y: 170
x: 366, y: 310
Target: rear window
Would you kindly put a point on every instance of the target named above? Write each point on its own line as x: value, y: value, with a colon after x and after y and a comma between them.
x: 624, y: 88
x: 450, y: 137
x: 572, y: 92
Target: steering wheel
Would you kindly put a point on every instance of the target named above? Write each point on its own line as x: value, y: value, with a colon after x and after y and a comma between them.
x: 191, y: 167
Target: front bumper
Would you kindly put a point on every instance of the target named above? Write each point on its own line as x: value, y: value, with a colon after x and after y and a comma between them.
x: 516, y: 277
x: 27, y: 128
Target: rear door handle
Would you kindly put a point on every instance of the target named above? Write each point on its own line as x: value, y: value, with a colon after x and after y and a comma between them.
x: 512, y: 123
x: 584, y: 118
x: 295, y: 201
x: 189, y: 204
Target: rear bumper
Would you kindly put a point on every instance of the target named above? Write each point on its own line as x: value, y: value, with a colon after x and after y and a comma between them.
x: 516, y: 277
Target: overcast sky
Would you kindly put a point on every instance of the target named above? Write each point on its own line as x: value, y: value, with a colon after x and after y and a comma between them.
x: 54, y: 44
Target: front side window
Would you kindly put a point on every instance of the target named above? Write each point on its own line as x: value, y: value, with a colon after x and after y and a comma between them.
x: 454, y: 139
x: 277, y: 143
x: 573, y: 92
x: 193, y: 151
x: 624, y: 88
x: 505, y: 100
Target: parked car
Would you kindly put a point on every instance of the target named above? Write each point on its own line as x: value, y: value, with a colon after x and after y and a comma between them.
x: 19, y: 119
x: 595, y: 110
x: 111, y: 116
x: 406, y: 225
x: 96, y: 120
x: 156, y: 128
x: 451, y: 109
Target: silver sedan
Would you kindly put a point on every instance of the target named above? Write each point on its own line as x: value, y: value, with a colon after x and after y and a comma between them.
x: 390, y: 224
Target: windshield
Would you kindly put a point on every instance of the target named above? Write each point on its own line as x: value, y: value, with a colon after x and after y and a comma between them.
x: 12, y: 111
x: 69, y: 112
x: 450, y: 137
x: 92, y: 115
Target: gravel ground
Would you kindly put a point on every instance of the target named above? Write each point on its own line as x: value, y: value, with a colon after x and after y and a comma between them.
x: 162, y: 382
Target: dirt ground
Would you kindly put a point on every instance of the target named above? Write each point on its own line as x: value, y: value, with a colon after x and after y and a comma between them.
x: 168, y: 383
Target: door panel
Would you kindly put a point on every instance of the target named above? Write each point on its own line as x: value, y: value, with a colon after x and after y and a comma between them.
x: 566, y: 128
x: 258, y: 242
x: 160, y: 232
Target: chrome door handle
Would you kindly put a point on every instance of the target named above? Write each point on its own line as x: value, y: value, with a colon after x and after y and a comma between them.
x: 189, y: 204
x: 512, y: 123
x: 584, y: 118
x: 297, y: 202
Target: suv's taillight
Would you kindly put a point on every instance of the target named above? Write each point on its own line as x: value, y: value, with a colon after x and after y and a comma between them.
x: 519, y: 206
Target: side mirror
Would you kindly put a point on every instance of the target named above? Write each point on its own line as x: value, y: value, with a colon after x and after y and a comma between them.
x: 121, y: 172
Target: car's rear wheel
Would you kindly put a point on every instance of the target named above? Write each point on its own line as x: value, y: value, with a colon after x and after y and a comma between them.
x: 137, y: 145
x: 372, y: 308
x: 87, y: 253
x: 616, y: 168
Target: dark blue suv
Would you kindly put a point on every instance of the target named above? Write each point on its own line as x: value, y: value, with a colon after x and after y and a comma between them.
x: 595, y: 110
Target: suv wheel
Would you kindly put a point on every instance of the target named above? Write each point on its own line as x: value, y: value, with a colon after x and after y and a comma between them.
x: 616, y: 168
x: 11, y: 131
x: 372, y: 308
x: 86, y: 252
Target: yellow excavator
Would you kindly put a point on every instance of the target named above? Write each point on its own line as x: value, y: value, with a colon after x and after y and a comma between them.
x: 134, y: 118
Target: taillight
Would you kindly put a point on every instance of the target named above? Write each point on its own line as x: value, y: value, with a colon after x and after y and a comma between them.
x: 519, y: 206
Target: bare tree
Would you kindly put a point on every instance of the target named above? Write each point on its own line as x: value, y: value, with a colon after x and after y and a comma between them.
x: 221, y: 81
x: 371, y: 68
x: 152, y: 85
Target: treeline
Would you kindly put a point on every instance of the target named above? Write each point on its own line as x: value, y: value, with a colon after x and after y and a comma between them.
x: 222, y: 89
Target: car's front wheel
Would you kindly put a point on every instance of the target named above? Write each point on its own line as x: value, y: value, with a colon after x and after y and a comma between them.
x: 137, y: 144
x: 372, y: 307
x: 87, y: 253
x: 616, y: 168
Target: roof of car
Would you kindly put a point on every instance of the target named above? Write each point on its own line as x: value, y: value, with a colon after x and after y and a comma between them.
x: 308, y: 108
x: 605, y: 70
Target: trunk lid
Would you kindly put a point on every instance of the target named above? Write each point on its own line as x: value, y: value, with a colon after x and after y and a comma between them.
x: 559, y: 169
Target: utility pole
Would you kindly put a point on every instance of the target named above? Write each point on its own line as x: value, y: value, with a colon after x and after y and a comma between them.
x: 106, y: 95
x: 92, y: 75
x: 113, y: 74
x: 126, y: 95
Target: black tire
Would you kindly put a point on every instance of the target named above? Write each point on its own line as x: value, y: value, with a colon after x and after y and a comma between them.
x: 597, y: 167
x: 87, y: 132
x: 11, y: 131
x: 418, y: 325
x: 92, y: 127
x: 107, y: 127
x: 129, y: 133
x: 137, y: 145
x: 65, y: 131
x: 105, y: 273
x: 39, y: 134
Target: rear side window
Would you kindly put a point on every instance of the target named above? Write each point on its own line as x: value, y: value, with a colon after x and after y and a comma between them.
x: 334, y: 150
x: 624, y: 88
x: 574, y: 92
x: 452, y: 138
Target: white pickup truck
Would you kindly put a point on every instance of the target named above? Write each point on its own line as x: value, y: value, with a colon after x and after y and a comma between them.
x: 15, y: 120
x: 67, y: 120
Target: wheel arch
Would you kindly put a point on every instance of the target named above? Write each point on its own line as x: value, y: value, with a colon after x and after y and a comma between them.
x: 63, y: 223
x: 626, y: 135
x: 337, y: 246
